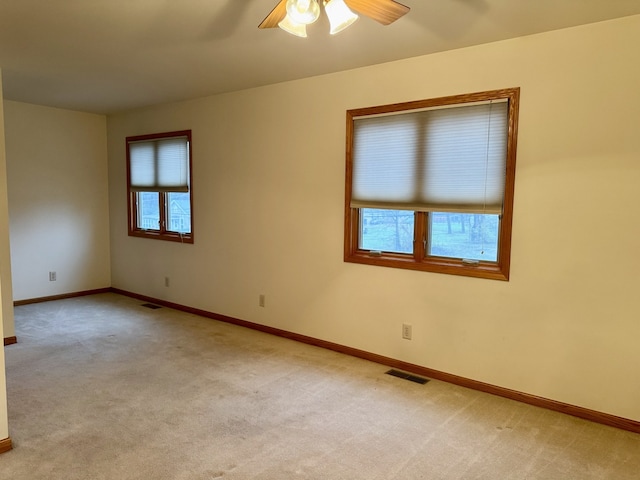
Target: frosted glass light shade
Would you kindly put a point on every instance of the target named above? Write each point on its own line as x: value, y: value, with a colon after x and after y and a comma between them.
x: 340, y: 16
x: 294, y: 28
x: 303, y: 11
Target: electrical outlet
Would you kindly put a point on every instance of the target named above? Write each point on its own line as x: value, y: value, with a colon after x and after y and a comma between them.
x: 166, y: 281
x: 52, y: 276
x: 406, y: 331
x: 261, y: 300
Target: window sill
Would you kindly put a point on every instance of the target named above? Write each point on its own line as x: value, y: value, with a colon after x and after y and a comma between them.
x: 167, y: 236
x: 451, y: 266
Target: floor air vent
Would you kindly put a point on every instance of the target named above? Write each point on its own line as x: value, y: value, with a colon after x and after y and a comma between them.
x: 407, y: 376
x: 151, y: 306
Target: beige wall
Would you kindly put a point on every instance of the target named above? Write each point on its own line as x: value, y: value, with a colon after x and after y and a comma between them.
x: 6, y: 291
x: 5, y: 279
x: 269, y: 189
x: 4, y: 421
x: 58, y: 200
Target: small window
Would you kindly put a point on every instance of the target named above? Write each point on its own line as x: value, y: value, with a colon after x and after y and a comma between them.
x: 159, y: 186
x: 429, y: 184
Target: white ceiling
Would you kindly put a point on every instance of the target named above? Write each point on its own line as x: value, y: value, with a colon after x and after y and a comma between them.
x: 105, y: 56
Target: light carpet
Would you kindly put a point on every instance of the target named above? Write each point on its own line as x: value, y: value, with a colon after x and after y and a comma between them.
x: 100, y: 387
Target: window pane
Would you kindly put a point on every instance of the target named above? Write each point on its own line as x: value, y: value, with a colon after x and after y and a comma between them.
x: 386, y: 230
x: 468, y: 236
x: 179, y: 212
x: 148, y: 213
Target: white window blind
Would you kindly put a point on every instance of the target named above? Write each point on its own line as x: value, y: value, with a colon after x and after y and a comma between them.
x: 450, y: 159
x: 159, y: 165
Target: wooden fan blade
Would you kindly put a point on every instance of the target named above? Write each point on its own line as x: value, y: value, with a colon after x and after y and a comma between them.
x: 276, y: 16
x: 383, y: 11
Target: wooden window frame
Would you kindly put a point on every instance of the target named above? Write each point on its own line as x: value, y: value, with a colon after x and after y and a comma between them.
x: 419, y: 260
x: 132, y: 204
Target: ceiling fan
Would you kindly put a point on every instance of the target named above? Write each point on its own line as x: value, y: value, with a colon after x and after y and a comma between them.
x: 293, y: 16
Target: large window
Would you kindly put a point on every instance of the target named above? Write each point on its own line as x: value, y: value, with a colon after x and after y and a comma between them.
x: 429, y: 184
x: 159, y: 186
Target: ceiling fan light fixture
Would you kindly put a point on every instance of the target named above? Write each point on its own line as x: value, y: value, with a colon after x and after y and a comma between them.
x: 340, y: 16
x: 294, y: 28
x: 304, y: 12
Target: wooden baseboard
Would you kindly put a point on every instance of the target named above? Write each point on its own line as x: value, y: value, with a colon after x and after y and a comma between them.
x: 580, y: 412
x: 5, y: 445
x: 18, y: 303
x: 10, y: 341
